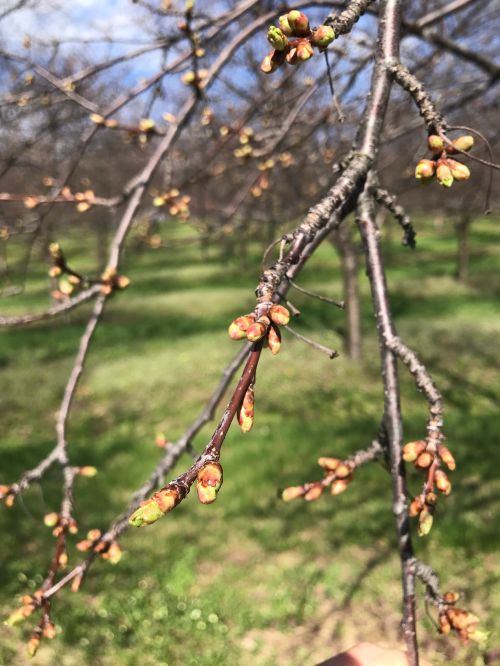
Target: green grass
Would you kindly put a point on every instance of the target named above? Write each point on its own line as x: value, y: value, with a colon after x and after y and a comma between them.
x: 250, y: 580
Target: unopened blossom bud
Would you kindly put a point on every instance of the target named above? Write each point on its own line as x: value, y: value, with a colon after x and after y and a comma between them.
x: 208, y: 483
x: 280, y: 315
x: 435, y: 143
x: 238, y: 328
x: 19, y: 615
x: 415, y: 507
x: 258, y: 329
x: 330, y: 464
x: 76, y: 582
x: 459, y: 171
x: 87, y: 471
x: 55, y: 271
x: 63, y: 559
x: 122, y: 281
x: 444, y: 624
x: 292, y: 493
x: 460, y: 618
x: 451, y: 597
x: 425, y: 169
x: 33, y: 645
x: 274, y: 340
x: 343, y: 470
x: 277, y: 38
x: 304, y: 50
x: 463, y: 142
x: 49, y: 631
x: 442, y: 482
x: 113, y: 554
x: 84, y: 545
x: 284, y: 25
x: 246, y: 412
x: 4, y: 490
x: 424, y: 460
x: 152, y: 509
x: 339, y: 485
x: 313, y: 493
x: 443, y: 174
x: 51, y: 519
x: 299, y: 23
x: 412, y: 450
x: 322, y: 36
x: 272, y: 61
x: 447, y: 457
x: 425, y: 522
x: 431, y: 499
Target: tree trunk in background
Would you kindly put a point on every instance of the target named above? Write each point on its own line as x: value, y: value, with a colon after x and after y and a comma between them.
x: 463, y: 226
x: 349, y: 261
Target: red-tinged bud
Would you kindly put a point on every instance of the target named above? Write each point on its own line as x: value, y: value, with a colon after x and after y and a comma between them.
x: 425, y: 521
x: 76, y: 582
x: 459, y: 171
x: 63, y: 559
x: 460, y: 618
x: 415, y: 507
x: 94, y: 534
x: 238, y: 328
x: 330, y: 464
x: 447, y: 457
x: 444, y: 624
x: 424, y: 460
x: 113, y: 554
x: 304, y: 50
x: 279, y: 314
x: 274, y: 340
x: 151, y: 510
x: 49, y: 631
x: 245, y: 421
x: 209, y: 481
x: 55, y: 271
x: 435, y: 143
x: 72, y: 526
x: 257, y: 330
x: 51, y: 519
x: 443, y: 174
x: 343, y: 470
x: 58, y: 530
x: 277, y: 38
x: 425, y: 169
x: 87, y: 471
x: 292, y: 493
x: 299, y: 23
x: 26, y: 599
x: 339, y: 485
x: 122, y: 281
x: 322, y: 36
x: 451, y: 597
x: 291, y: 56
x: 313, y: 493
x: 462, y: 143
x: 272, y: 61
x: 161, y: 441
x: 284, y: 25
x: 74, y: 280
x: 431, y: 499
x: 84, y: 545
x: 4, y: 490
x: 248, y: 404
x: 9, y: 500
x: 33, y: 645
x: 442, y: 482
x: 412, y: 450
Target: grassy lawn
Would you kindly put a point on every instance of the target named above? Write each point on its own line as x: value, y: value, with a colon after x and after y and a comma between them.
x: 251, y: 580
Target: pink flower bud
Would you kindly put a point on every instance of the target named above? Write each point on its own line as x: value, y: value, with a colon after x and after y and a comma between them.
x: 425, y: 169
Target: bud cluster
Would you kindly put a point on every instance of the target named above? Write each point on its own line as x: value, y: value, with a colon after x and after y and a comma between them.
x: 338, y: 475
x: 108, y: 550
x: 110, y: 280
x: 294, y: 41
x: 445, y: 169
x: 60, y: 524
x: 7, y: 495
x: 254, y: 327
x: 178, y: 205
x: 460, y: 621
x: 428, y: 456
